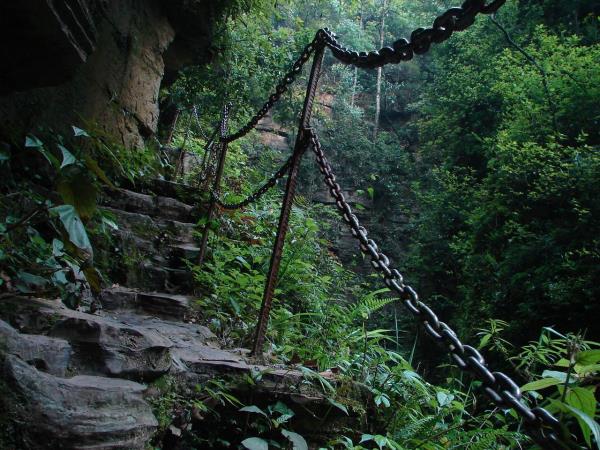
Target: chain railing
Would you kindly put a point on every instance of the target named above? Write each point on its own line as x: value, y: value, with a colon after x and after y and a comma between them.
x: 543, y: 427
x: 258, y: 193
x: 499, y: 387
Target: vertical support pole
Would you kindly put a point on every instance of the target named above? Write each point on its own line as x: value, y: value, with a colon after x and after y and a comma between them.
x: 216, y: 184
x: 290, y: 189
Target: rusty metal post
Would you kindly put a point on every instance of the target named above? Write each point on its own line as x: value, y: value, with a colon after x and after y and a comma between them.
x: 290, y: 189
x: 216, y: 184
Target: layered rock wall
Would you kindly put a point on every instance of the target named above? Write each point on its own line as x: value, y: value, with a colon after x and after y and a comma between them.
x: 96, y: 64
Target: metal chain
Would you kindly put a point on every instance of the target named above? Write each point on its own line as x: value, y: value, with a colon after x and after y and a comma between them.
x: 281, y: 88
x: 454, y: 19
x: 501, y: 389
x: 256, y: 194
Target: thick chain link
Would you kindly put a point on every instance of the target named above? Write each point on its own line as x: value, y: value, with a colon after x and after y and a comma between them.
x: 501, y: 389
x: 281, y: 87
x: 256, y: 194
x: 454, y: 19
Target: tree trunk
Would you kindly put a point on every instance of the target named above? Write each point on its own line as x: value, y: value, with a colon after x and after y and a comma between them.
x: 379, y: 71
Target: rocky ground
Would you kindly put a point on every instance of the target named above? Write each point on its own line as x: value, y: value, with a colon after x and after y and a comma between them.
x: 79, y: 379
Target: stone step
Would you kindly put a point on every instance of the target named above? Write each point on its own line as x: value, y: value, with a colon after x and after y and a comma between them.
x: 88, y: 412
x: 101, y: 345
x: 151, y: 205
x: 165, y: 305
x: 160, y: 304
x: 150, y: 277
x: 180, y: 254
x: 152, y: 229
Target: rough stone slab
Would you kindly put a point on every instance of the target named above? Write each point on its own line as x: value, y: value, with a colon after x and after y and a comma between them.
x: 172, y: 208
x: 118, y: 298
x: 48, y: 354
x: 155, y: 206
x: 185, y: 251
x: 101, y: 344
x: 83, y: 412
x: 119, y: 350
x: 130, y: 201
x: 165, y: 305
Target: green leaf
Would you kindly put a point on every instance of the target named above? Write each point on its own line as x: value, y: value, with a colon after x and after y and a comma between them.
x: 443, y: 398
x: 282, y: 408
x: 562, y: 376
x: 255, y: 443
x: 484, y: 340
x: 79, y: 131
x: 79, y: 190
x: 338, y: 405
x: 74, y: 226
x: 582, y: 399
x: 68, y: 157
x: 588, y: 357
x: 586, y: 421
x: 297, y: 441
x: 592, y: 368
x: 32, y: 141
x: 541, y: 384
x: 254, y: 409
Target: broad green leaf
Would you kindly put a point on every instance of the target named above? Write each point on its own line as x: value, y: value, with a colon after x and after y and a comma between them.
x: 68, y: 157
x: 79, y: 131
x: 254, y: 409
x: 588, y: 357
x: 541, y: 384
x: 297, y: 441
x: 79, y: 190
x: 74, y: 226
x: 587, y: 369
x: 255, y: 443
x: 582, y: 399
x: 586, y: 421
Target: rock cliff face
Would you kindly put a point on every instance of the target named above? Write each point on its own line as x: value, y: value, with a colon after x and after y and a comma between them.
x: 95, y: 63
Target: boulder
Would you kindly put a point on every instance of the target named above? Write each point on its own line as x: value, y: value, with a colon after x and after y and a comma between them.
x: 83, y: 412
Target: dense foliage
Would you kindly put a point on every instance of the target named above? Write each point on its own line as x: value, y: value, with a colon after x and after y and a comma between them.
x: 481, y: 179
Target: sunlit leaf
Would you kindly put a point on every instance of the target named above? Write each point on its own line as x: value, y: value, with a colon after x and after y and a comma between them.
x: 68, y: 157
x: 79, y: 131
x: 541, y: 384
x: 297, y: 441
x: 254, y: 409
x: 74, y: 226
x: 255, y: 443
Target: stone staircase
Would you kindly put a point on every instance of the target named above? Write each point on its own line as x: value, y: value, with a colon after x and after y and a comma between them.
x: 82, y: 377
